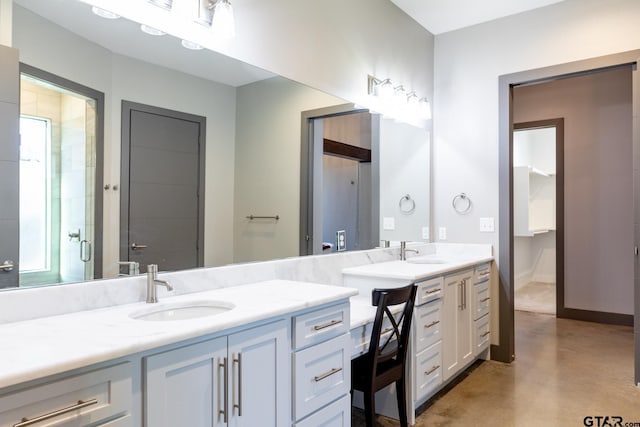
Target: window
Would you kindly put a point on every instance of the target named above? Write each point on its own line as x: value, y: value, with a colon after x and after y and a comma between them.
x: 35, y: 194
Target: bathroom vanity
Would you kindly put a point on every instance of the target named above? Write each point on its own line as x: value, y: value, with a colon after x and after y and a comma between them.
x: 228, y: 349
x: 451, y: 322
x: 127, y: 366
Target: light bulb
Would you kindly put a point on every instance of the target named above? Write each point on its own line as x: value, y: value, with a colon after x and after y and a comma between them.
x: 384, y: 90
x: 425, y: 109
x: 222, y: 23
x: 151, y: 31
x: 191, y: 45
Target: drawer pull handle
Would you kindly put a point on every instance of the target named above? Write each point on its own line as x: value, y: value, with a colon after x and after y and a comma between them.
x: 81, y: 404
x: 327, y: 325
x: 485, y: 334
x: 432, y: 324
x: 432, y: 291
x: 432, y: 370
x: 319, y: 378
x: 485, y: 299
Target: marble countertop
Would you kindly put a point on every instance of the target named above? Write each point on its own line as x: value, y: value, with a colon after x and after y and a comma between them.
x: 413, y: 269
x: 37, y: 348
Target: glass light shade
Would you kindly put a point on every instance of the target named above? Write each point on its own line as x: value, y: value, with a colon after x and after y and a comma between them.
x: 104, y: 13
x: 223, y: 23
x: 191, y: 45
x: 384, y: 90
x: 425, y: 109
x: 151, y: 31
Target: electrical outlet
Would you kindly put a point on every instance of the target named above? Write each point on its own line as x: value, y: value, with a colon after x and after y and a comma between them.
x: 388, y: 223
x: 487, y: 225
x: 341, y: 240
x: 425, y: 233
x: 442, y: 233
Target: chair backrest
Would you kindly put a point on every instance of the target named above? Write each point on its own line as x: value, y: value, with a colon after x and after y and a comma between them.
x: 394, y: 346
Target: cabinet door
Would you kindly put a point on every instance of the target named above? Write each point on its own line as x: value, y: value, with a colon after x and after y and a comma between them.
x: 457, y: 340
x: 260, y: 378
x: 185, y: 386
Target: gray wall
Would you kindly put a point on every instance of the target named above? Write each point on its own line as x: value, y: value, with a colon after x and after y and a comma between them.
x: 598, y: 183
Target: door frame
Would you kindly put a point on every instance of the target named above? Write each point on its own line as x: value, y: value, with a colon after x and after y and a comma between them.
x: 307, y: 172
x: 505, y: 350
x: 127, y: 108
x: 98, y: 97
x: 558, y: 124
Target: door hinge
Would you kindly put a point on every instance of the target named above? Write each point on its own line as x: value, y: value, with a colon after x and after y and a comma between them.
x: 309, y: 238
x: 635, y: 251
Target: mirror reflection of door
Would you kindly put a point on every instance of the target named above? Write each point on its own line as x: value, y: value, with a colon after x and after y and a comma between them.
x: 347, y: 205
x: 535, y: 213
x: 58, y: 197
x: 162, y: 197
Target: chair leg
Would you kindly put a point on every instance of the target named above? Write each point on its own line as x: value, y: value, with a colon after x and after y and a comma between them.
x: 369, y: 406
x: 401, y: 396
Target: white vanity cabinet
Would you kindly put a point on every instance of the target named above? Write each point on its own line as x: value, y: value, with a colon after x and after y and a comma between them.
x: 457, y: 340
x: 240, y: 379
x: 321, y: 367
x: 102, y: 397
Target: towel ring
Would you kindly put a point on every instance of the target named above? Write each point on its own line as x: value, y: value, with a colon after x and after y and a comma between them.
x: 405, y: 201
x: 461, y: 203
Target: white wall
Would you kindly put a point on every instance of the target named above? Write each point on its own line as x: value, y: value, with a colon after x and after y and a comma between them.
x: 73, y: 58
x: 468, y: 63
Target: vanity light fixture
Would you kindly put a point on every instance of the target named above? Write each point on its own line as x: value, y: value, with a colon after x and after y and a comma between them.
x: 191, y: 45
x: 396, y: 102
x: 222, y: 23
x: 104, y: 13
x: 151, y: 31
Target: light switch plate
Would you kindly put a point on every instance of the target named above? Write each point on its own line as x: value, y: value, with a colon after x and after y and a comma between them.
x: 425, y: 233
x: 442, y: 233
x: 341, y: 240
x: 388, y: 223
x: 487, y: 225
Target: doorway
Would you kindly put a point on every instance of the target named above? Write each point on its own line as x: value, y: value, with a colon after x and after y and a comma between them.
x: 339, y: 180
x: 505, y: 350
x: 162, y: 187
x: 537, y: 203
x: 60, y: 180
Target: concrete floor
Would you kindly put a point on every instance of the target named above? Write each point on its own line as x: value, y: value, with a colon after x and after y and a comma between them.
x: 536, y: 297
x: 564, y: 371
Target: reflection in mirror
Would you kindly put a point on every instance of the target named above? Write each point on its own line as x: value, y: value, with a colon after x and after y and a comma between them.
x: 252, y: 164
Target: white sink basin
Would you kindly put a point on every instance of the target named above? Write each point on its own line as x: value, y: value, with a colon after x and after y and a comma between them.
x: 181, y: 310
x: 429, y: 259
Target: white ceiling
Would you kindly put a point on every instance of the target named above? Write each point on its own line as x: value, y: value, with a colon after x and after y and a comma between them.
x: 440, y: 16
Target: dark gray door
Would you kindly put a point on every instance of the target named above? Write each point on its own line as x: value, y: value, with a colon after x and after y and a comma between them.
x: 9, y: 167
x: 162, y: 183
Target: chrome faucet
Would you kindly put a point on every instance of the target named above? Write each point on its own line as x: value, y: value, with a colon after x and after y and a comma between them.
x: 134, y: 267
x: 153, y: 281
x: 404, y: 250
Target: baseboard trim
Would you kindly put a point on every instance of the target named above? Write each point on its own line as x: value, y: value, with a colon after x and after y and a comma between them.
x: 595, y: 316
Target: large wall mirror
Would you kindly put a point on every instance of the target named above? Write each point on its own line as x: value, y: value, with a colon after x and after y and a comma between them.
x: 252, y: 147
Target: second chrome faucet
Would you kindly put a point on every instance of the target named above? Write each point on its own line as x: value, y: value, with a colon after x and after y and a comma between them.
x: 153, y: 282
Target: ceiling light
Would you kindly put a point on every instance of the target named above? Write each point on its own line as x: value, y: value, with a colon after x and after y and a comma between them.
x: 191, y: 45
x: 152, y: 31
x: 104, y: 13
x: 222, y: 23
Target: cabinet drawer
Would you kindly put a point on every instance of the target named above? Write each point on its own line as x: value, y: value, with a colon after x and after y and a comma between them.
x: 322, y: 374
x: 82, y: 399
x: 337, y: 414
x: 428, y: 326
x: 428, y: 371
x: 481, y: 300
x: 482, y: 334
x: 320, y: 325
x: 361, y: 336
x: 429, y: 290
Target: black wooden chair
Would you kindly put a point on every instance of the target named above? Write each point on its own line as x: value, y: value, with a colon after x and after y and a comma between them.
x: 384, y: 362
